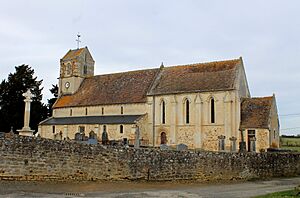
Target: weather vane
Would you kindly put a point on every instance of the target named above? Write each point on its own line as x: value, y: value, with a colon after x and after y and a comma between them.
x: 78, y: 40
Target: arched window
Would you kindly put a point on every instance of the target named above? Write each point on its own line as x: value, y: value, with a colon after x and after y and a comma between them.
x: 71, y: 112
x: 212, y: 111
x: 163, y: 112
x: 86, y: 111
x: 122, y: 111
x: 102, y: 110
x: 187, y: 111
x: 121, y: 128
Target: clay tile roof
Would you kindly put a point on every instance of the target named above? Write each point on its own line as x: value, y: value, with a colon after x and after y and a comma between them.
x: 73, y: 53
x: 118, y: 88
x: 255, y: 112
x: 196, y: 77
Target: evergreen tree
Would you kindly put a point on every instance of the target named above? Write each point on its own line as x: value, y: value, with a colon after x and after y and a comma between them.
x: 12, y: 102
x: 51, y: 101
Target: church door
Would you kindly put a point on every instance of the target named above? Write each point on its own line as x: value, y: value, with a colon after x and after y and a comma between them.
x: 163, y: 138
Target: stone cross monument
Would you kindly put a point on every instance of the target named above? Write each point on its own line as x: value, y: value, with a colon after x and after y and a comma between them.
x: 26, y: 131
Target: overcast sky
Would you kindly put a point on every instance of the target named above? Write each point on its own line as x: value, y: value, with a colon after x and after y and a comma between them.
x: 135, y: 34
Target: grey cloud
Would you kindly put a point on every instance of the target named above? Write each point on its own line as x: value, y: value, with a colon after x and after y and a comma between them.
x: 133, y: 34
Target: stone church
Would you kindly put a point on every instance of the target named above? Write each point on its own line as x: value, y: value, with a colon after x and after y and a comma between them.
x: 203, y: 105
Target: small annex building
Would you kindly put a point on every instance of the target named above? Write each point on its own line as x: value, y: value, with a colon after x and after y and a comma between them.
x: 204, y: 105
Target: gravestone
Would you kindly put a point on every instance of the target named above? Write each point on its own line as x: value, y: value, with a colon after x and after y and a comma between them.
x: 92, y: 141
x: 78, y: 136
x: 84, y: 137
x: 92, y: 135
x: 221, y: 139
x: 242, y: 143
x: 164, y: 147
x: 181, y: 147
x: 105, y: 140
x: 233, y: 144
x: 92, y: 138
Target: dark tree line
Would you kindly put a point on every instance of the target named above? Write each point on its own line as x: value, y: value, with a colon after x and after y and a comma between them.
x: 12, y: 102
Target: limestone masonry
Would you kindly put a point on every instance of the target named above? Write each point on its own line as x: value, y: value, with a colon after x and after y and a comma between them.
x: 206, y: 106
x: 28, y: 158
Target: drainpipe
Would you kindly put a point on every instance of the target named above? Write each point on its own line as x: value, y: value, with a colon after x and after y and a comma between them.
x: 153, y: 121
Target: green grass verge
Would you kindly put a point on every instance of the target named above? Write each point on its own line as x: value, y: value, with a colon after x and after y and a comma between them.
x: 285, y: 141
x: 289, y: 193
x: 294, y: 148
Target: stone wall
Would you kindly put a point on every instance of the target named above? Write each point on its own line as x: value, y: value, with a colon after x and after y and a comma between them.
x: 27, y: 158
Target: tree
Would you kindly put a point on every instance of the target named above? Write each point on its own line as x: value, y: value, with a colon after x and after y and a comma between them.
x: 12, y: 102
x: 51, y: 101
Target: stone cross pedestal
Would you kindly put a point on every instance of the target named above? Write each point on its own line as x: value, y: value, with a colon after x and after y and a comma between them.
x: 26, y: 131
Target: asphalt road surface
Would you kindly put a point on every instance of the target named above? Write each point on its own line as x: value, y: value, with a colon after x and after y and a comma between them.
x: 145, y: 189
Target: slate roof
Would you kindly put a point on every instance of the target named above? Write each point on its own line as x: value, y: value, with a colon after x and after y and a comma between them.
x: 118, y: 88
x: 255, y: 112
x: 196, y: 77
x: 134, y: 86
x: 116, y: 119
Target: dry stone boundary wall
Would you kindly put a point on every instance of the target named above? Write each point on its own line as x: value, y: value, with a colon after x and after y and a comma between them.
x: 27, y: 158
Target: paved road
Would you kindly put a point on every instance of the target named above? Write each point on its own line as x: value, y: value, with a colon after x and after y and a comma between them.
x: 137, y: 190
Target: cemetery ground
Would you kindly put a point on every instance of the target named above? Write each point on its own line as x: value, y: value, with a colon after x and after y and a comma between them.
x: 146, y: 189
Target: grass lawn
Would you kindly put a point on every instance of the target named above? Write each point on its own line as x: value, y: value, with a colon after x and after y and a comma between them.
x: 294, y: 148
x: 286, y: 141
x: 289, y: 193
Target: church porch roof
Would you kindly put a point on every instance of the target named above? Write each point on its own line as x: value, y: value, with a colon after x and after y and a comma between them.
x: 111, y: 119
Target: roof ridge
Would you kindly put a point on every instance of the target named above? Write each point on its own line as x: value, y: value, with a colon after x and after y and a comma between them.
x: 201, y: 63
x: 261, y: 97
x: 166, y: 67
x: 124, y: 72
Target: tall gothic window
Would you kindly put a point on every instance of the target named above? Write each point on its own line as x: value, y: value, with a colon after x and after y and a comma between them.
x: 187, y: 111
x: 163, y: 112
x: 212, y: 111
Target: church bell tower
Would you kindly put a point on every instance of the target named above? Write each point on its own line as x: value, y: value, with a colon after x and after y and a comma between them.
x: 75, y: 66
